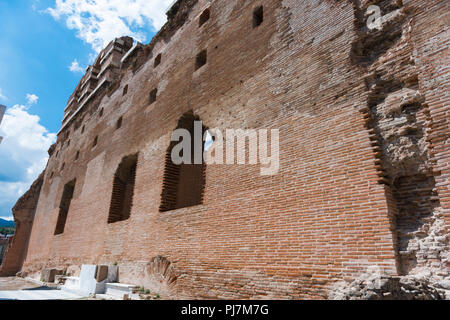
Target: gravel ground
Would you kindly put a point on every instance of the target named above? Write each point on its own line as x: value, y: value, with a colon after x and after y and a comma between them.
x: 14, y: 283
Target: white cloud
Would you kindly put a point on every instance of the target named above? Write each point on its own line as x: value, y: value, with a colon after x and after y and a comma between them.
x: 2, y: 96
x: 75, y: 67
x: 32, y: 99
x: 11, y: 192
x: 100, y: 21
x: 23, y: 154
x: 8, y: 218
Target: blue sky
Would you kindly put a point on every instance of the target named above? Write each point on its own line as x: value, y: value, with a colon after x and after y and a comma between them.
x: 45, y: 46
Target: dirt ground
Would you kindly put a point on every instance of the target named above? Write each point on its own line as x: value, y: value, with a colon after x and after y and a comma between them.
x: 14, y: 283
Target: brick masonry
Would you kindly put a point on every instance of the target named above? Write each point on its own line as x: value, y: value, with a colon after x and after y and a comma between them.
x: 356, y: 190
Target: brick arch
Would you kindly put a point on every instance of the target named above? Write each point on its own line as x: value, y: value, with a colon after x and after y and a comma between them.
x: 160, y: 276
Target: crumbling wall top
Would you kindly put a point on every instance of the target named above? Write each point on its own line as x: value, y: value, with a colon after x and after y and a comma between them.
x: 106, y: 70
x: 29, y: 199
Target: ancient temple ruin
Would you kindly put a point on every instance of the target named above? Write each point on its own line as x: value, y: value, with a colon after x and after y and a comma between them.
x: 361, y: 199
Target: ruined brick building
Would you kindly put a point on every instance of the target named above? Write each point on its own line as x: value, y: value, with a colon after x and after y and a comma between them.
x: 362, y: 188
x: 4, y: 243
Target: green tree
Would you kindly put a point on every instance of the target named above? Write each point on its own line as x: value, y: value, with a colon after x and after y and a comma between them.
x: 6, y: 230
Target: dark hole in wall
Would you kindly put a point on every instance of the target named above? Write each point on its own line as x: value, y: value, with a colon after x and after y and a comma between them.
x: 64, y: 206
x: 77, y: 125
x: 95, y: 141
x: 119, y: 123
x: 201, y: 59
x: 157, y: 60
x: 125, y: 90
x: 184, y: 184
x: 77, y: 155
x: 204, y: 17
x: 258, y: 16
x: 63, y: 165
x: 101, y: 112
x: 153, y: 94
x: 123, y: 189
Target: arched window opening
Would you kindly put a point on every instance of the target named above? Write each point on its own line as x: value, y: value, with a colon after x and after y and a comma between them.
x: 209, y: 139
x: 123, y: 189
x: 64, y: 206
x: 184, y: 184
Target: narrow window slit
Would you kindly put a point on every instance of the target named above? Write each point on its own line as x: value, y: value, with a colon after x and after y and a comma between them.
x: 258, y: 16
x: 201, y: 59
x: 204, y: 17
x: 119, y: 123
x: 157, y: 60
x: 153, y: 94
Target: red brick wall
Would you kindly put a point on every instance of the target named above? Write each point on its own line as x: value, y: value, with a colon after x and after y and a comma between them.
x: 433, y: 59
x: 15, y: 251
x: 325, y: 217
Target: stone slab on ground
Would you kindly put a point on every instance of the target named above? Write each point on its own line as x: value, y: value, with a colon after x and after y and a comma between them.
x: 118, y: 290
x: 87, y: 279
